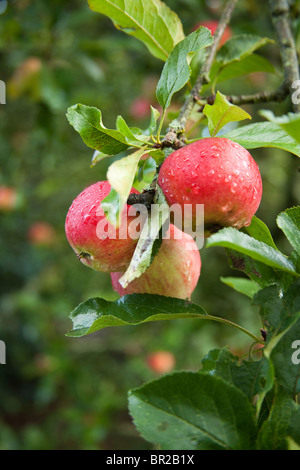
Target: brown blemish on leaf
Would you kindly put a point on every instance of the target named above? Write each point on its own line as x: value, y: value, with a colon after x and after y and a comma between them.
x: 238, y: 263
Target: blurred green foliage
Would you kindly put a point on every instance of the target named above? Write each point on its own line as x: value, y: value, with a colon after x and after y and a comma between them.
x: 64, y: 393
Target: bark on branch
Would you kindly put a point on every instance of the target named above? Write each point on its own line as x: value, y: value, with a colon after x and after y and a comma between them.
x: 280, y: 14
x: 278, y: 95
x: 202, y: 79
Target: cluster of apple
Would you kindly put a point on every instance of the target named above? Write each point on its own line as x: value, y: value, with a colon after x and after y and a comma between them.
x: 215, y: 172
x: 174, y: 271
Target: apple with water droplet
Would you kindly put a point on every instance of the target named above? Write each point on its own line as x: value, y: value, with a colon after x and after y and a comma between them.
x: 98, y: 243
x: 215, y: 172
x: 173, y: 273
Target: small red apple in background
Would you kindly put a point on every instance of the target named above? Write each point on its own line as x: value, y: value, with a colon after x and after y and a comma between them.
x: 161, y: 362
x: 30, y: 65
x: 8, y: 198
x: 97, y: 243
x: 258, y: 79
x: 25, y: 78
x: 140, y: 108
x: 173, y: 273
x: 41, y: 233
x: 218, y: 173
x: 212, y: 26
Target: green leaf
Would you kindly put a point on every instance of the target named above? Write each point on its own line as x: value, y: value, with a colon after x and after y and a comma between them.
x: 193, y: 411
x: 251, y: 377
x: 176, y: 71
x: 291, y: 444
x: 239, y: 47
x: 258, y: 230
x: 270, y: 301
x: 142, y: 256
x: 131, y: 134
x: 150, y: 21
x: 283, y: 423
x: 279, y: 310
x: 95, y: 314
x: 289, y: 222
x: 158, y: 155
x: 153, y: 121
x: 263, y: 411
x: 98, y: 157
x: 264, y: 134
x: 260, y: 251
x: 289, y: 123
x: 221, y: 113
x: 250, y: 64
x: 258, y: 272
x: 244, y: 286
x: 121, y: 173
x: 112, y: 207
x: 148, y: 170
x: 135, y: 134
x: 285, y: 357
x: 87, y: 121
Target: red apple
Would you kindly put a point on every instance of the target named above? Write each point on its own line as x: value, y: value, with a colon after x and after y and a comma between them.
x: 8, y: 198
x: 25, y: 79
x: 140, y: 108
x: 215, y: 172
x: 174, y: 272
x: 97, y: 243
x: 161, y: 362
x: 41, y: 233
x: 212, y: 26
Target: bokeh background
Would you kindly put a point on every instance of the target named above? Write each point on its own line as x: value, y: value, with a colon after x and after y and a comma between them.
x: 58, y: 392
